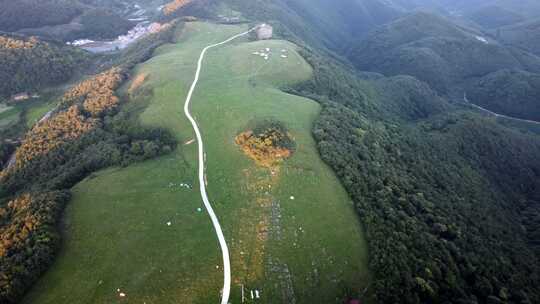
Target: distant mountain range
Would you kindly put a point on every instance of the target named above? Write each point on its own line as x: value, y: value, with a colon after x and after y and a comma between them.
x: 447, y: 56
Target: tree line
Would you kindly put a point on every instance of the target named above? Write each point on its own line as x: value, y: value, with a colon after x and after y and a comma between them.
x: 89, y: 131
x: 447, y: 197
x: 30, y: 64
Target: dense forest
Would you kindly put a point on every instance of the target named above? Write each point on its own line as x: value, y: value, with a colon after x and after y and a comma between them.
x: 101, y: 24
x: 66, y: 20
x: 89, y: 131
x: 454, y: 60
x: 16, y: 15
x: 435, y: 50
x: 510, y: 92
x: 446, y: 197
x: 29, y: 64
x: 525, y: 35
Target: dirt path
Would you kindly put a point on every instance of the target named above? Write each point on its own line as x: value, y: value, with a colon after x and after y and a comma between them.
x: 223, y: 244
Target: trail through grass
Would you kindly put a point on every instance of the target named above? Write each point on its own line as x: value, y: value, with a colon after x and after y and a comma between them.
x: 292, y: 232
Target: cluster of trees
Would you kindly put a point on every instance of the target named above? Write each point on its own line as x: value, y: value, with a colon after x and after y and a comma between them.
x: 30, y: 64
x: 275, y: 132
x: 447, y: 198
x: 89, y: 131
x: 12, y: 43
x: 97, y: 93
x: 268, y: 143
x: 175, y: 5
x: 28, y: 239
x: 524, y: 35
x: 53, y: 133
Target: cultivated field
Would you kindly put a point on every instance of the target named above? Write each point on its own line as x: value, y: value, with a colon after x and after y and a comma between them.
x: 138, y: 231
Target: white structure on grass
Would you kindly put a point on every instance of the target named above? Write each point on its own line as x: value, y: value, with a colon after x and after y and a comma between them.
x: 265, y: 31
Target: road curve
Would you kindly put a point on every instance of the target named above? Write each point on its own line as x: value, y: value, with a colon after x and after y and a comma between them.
x: 223, y: 244
x: 504, y: 116
x: 466, y: 100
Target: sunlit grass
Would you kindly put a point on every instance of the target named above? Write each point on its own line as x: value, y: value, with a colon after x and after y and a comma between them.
x: 117, y: 235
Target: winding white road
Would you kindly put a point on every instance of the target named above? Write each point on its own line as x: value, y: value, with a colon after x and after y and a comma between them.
x: 497, y: 114
x: 224, y: 249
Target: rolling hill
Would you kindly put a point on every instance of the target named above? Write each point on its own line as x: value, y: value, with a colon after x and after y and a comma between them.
x: 513, y: 93
x: 393, y: 194
x: 65, y: 19
x: 435, y: 50
x: 525, y: 35
x: 31, y: 64
x: 16, y: 15
x: 492, y: 16
x: 328, y: 24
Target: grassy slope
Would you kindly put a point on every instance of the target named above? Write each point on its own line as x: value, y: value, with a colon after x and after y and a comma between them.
x: 117, y: 235
x: 8, y: 115
x: 26, y: 113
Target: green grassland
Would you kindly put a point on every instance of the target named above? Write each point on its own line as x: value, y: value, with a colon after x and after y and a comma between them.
x: 25, y: 114
x: 8, y: 115
x: 309, y: 248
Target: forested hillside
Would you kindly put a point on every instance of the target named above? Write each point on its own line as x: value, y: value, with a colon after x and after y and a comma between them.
x: 524, y: 35
x: 328, y: 24
x: 446, y: 196
x: 89, y: 131
x: 434, y: 50
x: 443, y: 194
x: 30, y: 64
x: 16, y: 15
x: 510, y: 92
x: 452, y: 59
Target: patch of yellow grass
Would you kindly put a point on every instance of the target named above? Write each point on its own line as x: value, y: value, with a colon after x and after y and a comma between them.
x: 137, y: 82
x: 262, y: 150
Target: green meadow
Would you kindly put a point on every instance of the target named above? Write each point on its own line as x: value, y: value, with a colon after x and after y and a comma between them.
x: 291, y: 231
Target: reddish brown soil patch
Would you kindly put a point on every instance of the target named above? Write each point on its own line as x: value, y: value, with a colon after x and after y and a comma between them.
x: 137, y: 82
